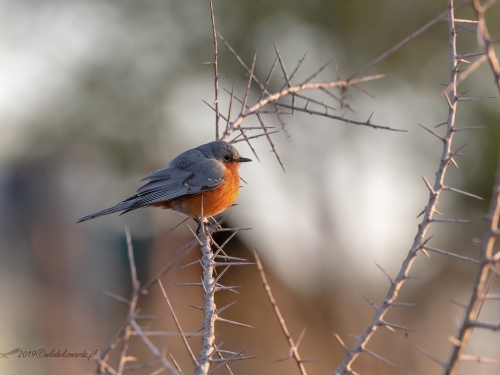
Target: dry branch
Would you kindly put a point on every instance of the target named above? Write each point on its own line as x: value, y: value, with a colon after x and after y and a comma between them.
x: 488, y: 259
x: 216, y: 71
x: 289, y: 89
x: 435, y: 191
x: 293, y: 347
x: 485, y: 39
x: 480, y: 290
x: 130, y: 328
x: 208, y: 339
x: 273, y: 99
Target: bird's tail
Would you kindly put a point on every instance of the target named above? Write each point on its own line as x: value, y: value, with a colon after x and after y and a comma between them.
x: 119, y: 207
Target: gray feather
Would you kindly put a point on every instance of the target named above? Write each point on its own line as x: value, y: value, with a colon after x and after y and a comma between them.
x: 181, y: 177
x: 117, y: 208
x: 194, y: 178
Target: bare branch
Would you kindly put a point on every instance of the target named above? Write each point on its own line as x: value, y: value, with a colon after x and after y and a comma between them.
x: 471, y: 69
x: 216, y: 71
x: 277, y: 312
x: 154, y: 349
x: 230, y: 107
x: 193, y: 359
x: 480, y: 289
x: 485, y: 39
x: 340, y: 118
x: 209, y: 286
x: 315, y: 74
x: 341, y: 342
x: 273, y: 98
x: 372, y: 63
x: 435, y: 189
x: 179, y: 254
x: 133, y: 303
x: 282, y: 65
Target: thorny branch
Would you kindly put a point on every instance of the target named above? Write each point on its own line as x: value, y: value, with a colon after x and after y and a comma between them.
x: 489, y: 260
x: 273, y: 98
x: 293, y: 347
x: 288, y: 89
x: 131, y: 327
x: 396, y: 47
x: 213, y: 256
x: 216, y: 71
x: 428, y: 214
x: 209, y: 285
x: 485, y: 39
x: 212, y: 259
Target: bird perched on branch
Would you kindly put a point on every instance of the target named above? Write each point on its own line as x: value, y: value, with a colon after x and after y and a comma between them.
x: 207, y: 173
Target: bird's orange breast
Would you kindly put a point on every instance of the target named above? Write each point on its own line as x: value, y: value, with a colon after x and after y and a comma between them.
x: 214, y: 201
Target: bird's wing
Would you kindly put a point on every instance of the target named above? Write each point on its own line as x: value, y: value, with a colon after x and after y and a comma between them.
x: 177, y: 179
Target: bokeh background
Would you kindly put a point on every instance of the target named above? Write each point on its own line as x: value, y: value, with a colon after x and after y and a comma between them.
x: 96, y: 94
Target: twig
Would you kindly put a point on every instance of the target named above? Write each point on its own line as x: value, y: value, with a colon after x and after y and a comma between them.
x: 181, y: 253
x: 471, y: 69
x: 485, y: 39
x: 125, y: 331
x: 277, y: 312
x: 480, y: 289
x: 340, y: 118
x: 230, y: 107
x: 104, y: 354
x: 439, y: 18
x: 133, y: 302
x: 154, y: 349
x: 217, y: 349
x: 273, y: 98
x: 209, y: 285
x: 216, y: 71
x: 430, y: 209
x: 193, y: 359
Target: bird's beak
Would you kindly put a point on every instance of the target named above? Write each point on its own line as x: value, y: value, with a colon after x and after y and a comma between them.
x: 242, y: 160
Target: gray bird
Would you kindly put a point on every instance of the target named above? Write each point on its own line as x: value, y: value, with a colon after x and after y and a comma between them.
x: 207, y: 173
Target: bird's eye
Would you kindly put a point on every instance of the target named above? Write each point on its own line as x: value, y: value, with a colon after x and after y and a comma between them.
x: 227, y: 157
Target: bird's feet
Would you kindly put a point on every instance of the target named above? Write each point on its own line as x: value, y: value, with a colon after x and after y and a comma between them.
x: 201, y: 221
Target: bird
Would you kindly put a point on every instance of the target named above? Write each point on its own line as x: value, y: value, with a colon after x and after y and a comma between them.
x: 207, y: 173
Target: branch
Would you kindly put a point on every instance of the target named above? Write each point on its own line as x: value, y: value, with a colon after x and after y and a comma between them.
x: 273, y: 98
x: 293, y: 347
x: 428, y: 213
x: 193, y: 359
x: 486, y: 257
x: 154, y: 349
x: 125, y: 331
x: 216, y: 71
x: 439, y: 18
x: 485, y: 39
x: 209, y: 286
x: 129, y: 328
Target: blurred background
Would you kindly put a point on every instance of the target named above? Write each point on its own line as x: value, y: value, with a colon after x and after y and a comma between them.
x: 96, y: 94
